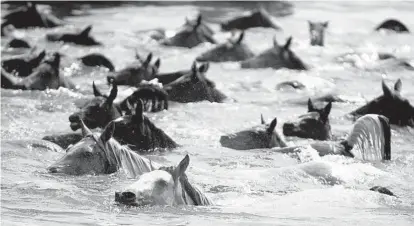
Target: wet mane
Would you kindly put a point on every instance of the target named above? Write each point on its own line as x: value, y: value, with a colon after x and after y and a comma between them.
x: 198, y: 197
x: 120, y: 156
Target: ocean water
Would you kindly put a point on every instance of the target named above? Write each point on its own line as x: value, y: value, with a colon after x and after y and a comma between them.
x: 257, y: 187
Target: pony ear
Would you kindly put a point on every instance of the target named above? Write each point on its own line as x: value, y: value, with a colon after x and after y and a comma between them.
x: 108, y: 132
x: 199, y: 20
x: 310, y: 23
x: 86, y: 31
x: 194, y: 67
x: 41, y: 55
x: 139, y: 111
x: 325, y: 25
x: 181, y: 168
x: 113, y: 94
x: 262, y: 119
x: 288, y: 42
x: 387, y: 92
x: 398, y: 85
x: 96, y: 91
x: 148, y: 60
x: 240, y: 38
x: 310, y: 106
x: 85, y: 130
x: 158, y: 63
x: 327, y: 110
x: 272, y: 126
x: 204, y: 68
x: 275, y: 44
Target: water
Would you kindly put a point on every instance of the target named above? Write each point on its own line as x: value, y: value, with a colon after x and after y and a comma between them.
x: 249, y: 187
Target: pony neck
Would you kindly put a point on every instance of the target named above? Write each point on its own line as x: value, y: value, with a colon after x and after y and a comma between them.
x: 119, y: 156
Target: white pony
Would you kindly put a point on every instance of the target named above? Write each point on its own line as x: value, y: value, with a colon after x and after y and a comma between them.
x: 165, y: 186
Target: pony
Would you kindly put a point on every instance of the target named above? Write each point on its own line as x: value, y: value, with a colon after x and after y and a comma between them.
x: 190, y: 36
x: 314, y: 124
x: 276, y: 57
x: 23, y: 66
x: 18, y: 43
x: 165, y: 186
x: 133, y: 75
x: 258, y: 18
x: 138, y: 131
x: 101, y: 154
x: 233, y: 50
x: 390, y: 104
x: 262, y: 136
x: 369, y: 140
x: 45, y: 76
x: 97, y: 59
x: 393, y: 25
x: 29, y: 16
x: 80, y: 38
x: 317, y: 32
x: 194, y: 87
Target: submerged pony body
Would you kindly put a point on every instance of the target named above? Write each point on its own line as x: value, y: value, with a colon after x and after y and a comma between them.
x: 101, y: 154
x: 165, y: 186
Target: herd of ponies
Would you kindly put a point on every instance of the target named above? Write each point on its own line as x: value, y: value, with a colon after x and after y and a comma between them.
x: 128, y: 134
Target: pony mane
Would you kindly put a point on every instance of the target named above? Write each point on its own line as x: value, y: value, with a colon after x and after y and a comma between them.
x: 120, y: 156
x: 370, y: 138
x: 198, y: 197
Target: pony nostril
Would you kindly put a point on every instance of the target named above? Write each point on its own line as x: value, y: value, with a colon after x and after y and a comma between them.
x: 110, y: 79
x: 52, y: 169
x: 128, y: 196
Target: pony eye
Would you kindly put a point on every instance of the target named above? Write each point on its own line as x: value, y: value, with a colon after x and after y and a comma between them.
x: 161, y: 183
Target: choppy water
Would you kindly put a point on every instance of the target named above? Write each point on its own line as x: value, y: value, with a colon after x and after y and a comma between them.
x: 249, y: 187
